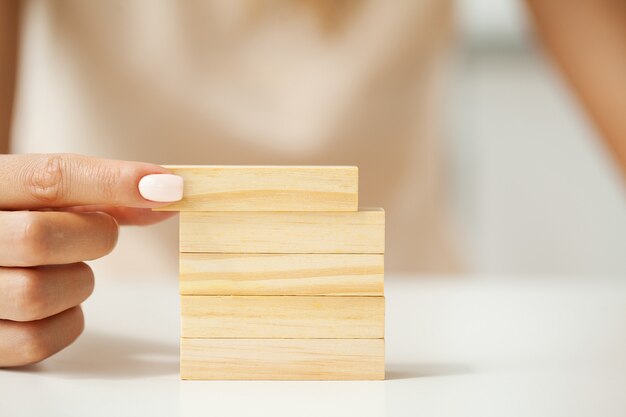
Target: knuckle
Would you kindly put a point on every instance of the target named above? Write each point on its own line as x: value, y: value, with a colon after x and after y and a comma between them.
x: 30, y: 298
x: 85, y: 270
x: 107, y: 236
x: 33, y: 242
x: 87, y: 276
x: 79, y: 321
x: 46, y: 179
x: 113, y: 235
x: 34, y: 345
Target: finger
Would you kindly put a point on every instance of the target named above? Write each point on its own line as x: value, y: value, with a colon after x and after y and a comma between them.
x: 62, y: 180
x: 32, y: 238
x: 28, y: 294
x: 131, y: 216
x: 24, y: 343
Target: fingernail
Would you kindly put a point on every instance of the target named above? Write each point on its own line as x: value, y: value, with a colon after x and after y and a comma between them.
x: 161, y: 187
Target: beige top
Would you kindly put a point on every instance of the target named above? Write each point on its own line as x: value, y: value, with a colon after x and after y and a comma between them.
x: 247, y: 82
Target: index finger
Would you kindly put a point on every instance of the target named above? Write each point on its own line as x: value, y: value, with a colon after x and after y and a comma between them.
x: 34, y: 181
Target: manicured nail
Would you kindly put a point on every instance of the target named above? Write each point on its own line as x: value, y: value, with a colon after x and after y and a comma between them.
x: 161, y: 187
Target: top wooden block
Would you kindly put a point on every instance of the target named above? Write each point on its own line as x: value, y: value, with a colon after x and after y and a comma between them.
x: 267, y: 188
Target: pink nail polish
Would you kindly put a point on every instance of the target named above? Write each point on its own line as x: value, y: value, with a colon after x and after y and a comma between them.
x: 161, y: 187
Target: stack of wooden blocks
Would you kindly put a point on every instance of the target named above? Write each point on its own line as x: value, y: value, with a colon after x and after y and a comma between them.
x: 281, y: 274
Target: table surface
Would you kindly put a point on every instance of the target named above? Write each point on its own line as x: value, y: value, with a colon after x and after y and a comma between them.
x: 455, y: 346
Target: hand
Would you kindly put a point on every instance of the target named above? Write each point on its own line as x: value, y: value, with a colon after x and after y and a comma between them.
x: 58, y: 211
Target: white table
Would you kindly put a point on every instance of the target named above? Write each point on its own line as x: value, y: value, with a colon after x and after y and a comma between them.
x: 455, y: 346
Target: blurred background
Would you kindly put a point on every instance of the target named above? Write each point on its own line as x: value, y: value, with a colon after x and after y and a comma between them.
x: 527, y: 185
x: 534, y: 192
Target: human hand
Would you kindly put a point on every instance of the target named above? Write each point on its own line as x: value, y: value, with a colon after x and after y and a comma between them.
x: 59, y: 210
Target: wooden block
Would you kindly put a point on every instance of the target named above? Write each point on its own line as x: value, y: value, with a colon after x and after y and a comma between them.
x: 288, y: 232
x: 267, y: 188
x: 282, y: 359
x: 281, y: 274
x: 282, y: 317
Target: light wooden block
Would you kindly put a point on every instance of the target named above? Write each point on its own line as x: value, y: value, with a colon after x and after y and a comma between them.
x: 282, y: 317
x: 283, y: 359
x: 267, y: 188
x: 281, y: 274
x: 288, y: 232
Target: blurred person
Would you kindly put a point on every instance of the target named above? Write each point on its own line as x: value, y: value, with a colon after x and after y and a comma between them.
x: 311, y: 82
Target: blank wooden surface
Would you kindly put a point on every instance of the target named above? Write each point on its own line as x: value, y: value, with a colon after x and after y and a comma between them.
x: 281, y: 274
x: 362, y: 231
x: 282, y: 359
x: 267, y: 188
x: 282, y: 317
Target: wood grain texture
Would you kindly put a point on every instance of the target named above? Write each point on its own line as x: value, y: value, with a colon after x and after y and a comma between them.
x: 267, y: 188
x: 361, y: 231
x: 281, y: 274
x: 282, y: 317
x: 282, y: 359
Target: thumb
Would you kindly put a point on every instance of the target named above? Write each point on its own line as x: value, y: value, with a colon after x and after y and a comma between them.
x: 34, y: 181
